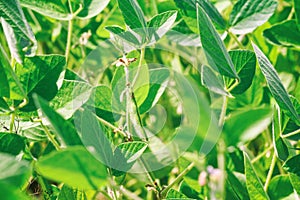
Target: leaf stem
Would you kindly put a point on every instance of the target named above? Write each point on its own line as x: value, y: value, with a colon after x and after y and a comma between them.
x: 223, y: 111
x: 262, y: 154
x: 291, y: 134
x: 270, y: 173
x: 116, y: 129
x: 12, y: 121
x: 50, y: 136
x: 236, y: 82
x: 177, y: 179
x: 234, y: 37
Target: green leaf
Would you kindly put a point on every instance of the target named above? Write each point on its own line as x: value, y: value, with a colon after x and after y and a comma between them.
x: 214, y: 48
x: 160, y: 24
x: 3, y: 105
x: 295, y: 180
x: 39, y: 75
x: 93, y: 136
x: 55, y: 8
x: 285, y: 34
x: 159, y: 79
x: 188, y: 9
x: 254, y: 185
x: 70, y: 97
x: 237, y: 185
x: 18, y: 33
x: 9, y: 192
x: 13, y: 171
x: 9, y: 83
x: 75, y: 167
x: 280, y: 187
x: 244, y: 62
x: 280, y: 146
x: 247, y: 15
x: 91, y: 8
x: 213, y: 81
x: 173, y: 194
x: 292, y: 165
x: 68, y: 193
x: 297, y: 12
x: 64, y: 129
x: 277, y: 89
x: 245, y: 125
x: 125, y: 156
x: 11, y: 143
x: 133, y: 14
x: 101, y: 101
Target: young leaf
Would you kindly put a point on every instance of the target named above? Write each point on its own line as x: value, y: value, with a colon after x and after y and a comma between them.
x: 133, y: 14
x: 68, y: 193
x: 292, y: 165
x: 213, y: 81
x: 277, y: 89
x: 247, y: 15
x: 71, y: 96
x: 254, y: 185
x: 285, y: 34
x: 125, y: 156
x: 213, y: 46
x: 39, y: 75
x: 18, y: 33
x: 64, y: 129
x: 244, y: 62
x: 160, y: 24
x: 11, y: 143
x: 75, y: 167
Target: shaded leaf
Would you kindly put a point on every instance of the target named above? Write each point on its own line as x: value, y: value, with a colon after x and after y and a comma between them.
x: 285, y: 34
x: 214, y: 48
x: 244, y: 62
x: 254, y: 185
x: 13, y: 171
x: 160, y: 24
x: 277, y: 89
x: 39, y: 75
x: 247, y: 15
x: 64, y: 129
x: 18, y: 33
x: 9, y: 192
x: 11, y: 143
x: 280, y: 187
x: 125, y: 156
x: 70, y: 97
x: 245, y: 125
x: 213, y: 81
x: 292, y: 165
x: 75, y: 167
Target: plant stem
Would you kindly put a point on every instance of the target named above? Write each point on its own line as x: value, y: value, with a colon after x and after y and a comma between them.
x: 291, y: 134
x: 116, y: 129
x: 177, y: 179
x: 233, y: 36
x: 233, y: 85
x: 69, y: 38
x: 270, y: 173
x: 50, y: 136
x: 142, y: 55
x: 128, y: 102
x: 223, y: 111
x: 262, y: 154
x: 12, y: 121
